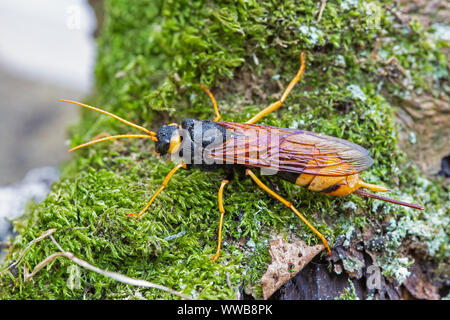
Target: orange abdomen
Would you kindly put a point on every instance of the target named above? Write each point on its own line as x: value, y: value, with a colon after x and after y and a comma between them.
x: 335, y: 186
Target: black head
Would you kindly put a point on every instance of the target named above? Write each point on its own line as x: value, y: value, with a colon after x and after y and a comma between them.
x: 168, y: 139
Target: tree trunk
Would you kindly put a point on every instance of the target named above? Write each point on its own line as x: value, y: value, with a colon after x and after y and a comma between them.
x: 366, y: 64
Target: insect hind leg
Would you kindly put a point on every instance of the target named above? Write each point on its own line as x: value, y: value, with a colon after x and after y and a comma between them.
x: 288, y: 90
x: 289, y: 205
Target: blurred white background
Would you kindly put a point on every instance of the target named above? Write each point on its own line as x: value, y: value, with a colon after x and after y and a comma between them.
x: 47, y: 52
x: 49, y: 40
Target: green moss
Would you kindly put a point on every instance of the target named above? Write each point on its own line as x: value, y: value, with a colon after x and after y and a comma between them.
x: 152, y: 57
x: 349, y: 293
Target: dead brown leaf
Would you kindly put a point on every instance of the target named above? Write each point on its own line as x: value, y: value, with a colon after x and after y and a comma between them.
x: 287, y: 260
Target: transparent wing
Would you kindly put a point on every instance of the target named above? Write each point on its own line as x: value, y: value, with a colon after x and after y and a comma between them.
x: 290, y: 150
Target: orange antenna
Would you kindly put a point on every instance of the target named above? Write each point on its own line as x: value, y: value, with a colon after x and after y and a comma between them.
x: 111, y: 138
x: 375, y: 196
x: 111, y: 115
x: 150, y: 134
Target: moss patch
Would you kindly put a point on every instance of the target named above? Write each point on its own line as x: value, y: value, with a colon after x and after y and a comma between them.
x: 152, y: 57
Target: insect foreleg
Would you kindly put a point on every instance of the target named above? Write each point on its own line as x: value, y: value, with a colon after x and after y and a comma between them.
x: 216, y: 109
x: 164, y: 184
x: 288, y: 90
x: 289, y: 205
x: 222, y: 212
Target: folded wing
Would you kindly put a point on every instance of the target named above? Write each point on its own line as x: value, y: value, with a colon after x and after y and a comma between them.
x: 290, y: 150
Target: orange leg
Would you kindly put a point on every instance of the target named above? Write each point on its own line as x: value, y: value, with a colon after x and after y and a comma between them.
x: 164, y: 184
x: 222, y: 212
x: 216, y: 109
x: 289, y: 205
x: 288, y: 90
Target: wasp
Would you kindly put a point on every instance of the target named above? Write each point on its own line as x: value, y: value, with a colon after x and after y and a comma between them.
x: 316, y: 161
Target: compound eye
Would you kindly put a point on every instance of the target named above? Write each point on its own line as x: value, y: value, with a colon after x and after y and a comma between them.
x: 175, y: 143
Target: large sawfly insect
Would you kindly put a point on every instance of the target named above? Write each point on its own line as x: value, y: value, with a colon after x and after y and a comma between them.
x: 316, y: 161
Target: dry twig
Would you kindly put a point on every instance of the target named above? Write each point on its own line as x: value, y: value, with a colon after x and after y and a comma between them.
x: 43, y: 236
x: 69, y: 255
x: 322, y: 7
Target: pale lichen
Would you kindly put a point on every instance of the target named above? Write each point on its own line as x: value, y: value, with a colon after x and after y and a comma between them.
x: 396, y: 268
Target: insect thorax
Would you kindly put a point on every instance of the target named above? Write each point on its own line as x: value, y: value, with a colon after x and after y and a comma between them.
x: 198, y: 137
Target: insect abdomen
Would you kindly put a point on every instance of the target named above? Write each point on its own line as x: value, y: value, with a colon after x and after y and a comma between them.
x: 336, y: 186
